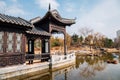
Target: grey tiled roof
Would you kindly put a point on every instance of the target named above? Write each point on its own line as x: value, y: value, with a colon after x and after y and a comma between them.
x: 38, y: 31
x: 56, y: 16
x: 14, y: 20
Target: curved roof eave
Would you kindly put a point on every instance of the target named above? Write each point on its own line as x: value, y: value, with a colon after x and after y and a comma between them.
x: 55, y: 15
x: 64, y: 21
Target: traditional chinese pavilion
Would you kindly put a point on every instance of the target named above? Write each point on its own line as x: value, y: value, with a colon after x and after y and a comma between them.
x: 15, y: 32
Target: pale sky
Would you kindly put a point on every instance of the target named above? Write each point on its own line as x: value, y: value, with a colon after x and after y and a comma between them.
x: 100, y: 15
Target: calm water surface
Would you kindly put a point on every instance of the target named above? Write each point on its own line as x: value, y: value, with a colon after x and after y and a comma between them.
x: 92, y: 68
x: 105, y: 67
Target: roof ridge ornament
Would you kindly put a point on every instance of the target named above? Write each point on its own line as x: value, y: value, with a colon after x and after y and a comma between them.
x: 49, y: 7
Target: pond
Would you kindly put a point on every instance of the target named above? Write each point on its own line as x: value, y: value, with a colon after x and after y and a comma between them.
x: 106, y: 67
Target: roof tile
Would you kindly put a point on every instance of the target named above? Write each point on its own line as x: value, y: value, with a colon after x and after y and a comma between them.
x: 15, y: 20
x: 38, y: 31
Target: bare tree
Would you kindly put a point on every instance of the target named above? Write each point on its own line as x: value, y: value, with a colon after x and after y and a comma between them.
x: 68, y: 40
x: 85, y: 31
x: 89, y: 40
x: 98, y: 39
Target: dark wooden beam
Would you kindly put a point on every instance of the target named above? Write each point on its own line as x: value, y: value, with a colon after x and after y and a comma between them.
x: 65, y: 49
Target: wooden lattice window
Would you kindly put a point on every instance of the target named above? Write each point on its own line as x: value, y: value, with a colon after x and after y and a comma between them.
x: 10, y: 42
x: 18, y: 42
x: 1, y: 41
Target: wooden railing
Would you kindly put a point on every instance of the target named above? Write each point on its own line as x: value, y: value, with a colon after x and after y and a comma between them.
x: 43, y: 56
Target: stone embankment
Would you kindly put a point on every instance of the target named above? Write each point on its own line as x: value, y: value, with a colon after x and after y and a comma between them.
x: 56, y: 62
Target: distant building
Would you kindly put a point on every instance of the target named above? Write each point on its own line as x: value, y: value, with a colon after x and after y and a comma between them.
x: 117, y: 40
x: 118, y: 33
x: 118, y: 36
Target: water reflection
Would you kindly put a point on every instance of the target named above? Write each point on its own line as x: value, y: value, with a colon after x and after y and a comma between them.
x: 89, y: 65
x: 43, y: 77
x: 86, y: 68
x: 63, y: 73
x: 92, y: 68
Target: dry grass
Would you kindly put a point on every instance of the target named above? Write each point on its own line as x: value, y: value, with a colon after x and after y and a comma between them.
x: 71, y: 49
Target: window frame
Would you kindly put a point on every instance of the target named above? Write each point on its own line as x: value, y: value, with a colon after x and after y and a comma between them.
x: 13, y: 41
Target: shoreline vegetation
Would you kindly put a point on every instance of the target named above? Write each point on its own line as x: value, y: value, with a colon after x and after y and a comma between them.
x: 86, y: 50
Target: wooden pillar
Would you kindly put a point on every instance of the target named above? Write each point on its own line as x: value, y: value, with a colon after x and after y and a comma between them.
x: 45, y: 46
x: 23, y: 47
x: 31, y: 50
x: 31, y: 46
x: 49, y: 47
x: 45, y: 49
x: 65, y: 52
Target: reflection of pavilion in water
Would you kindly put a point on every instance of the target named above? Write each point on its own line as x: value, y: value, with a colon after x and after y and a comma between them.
x: 60, y: 74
